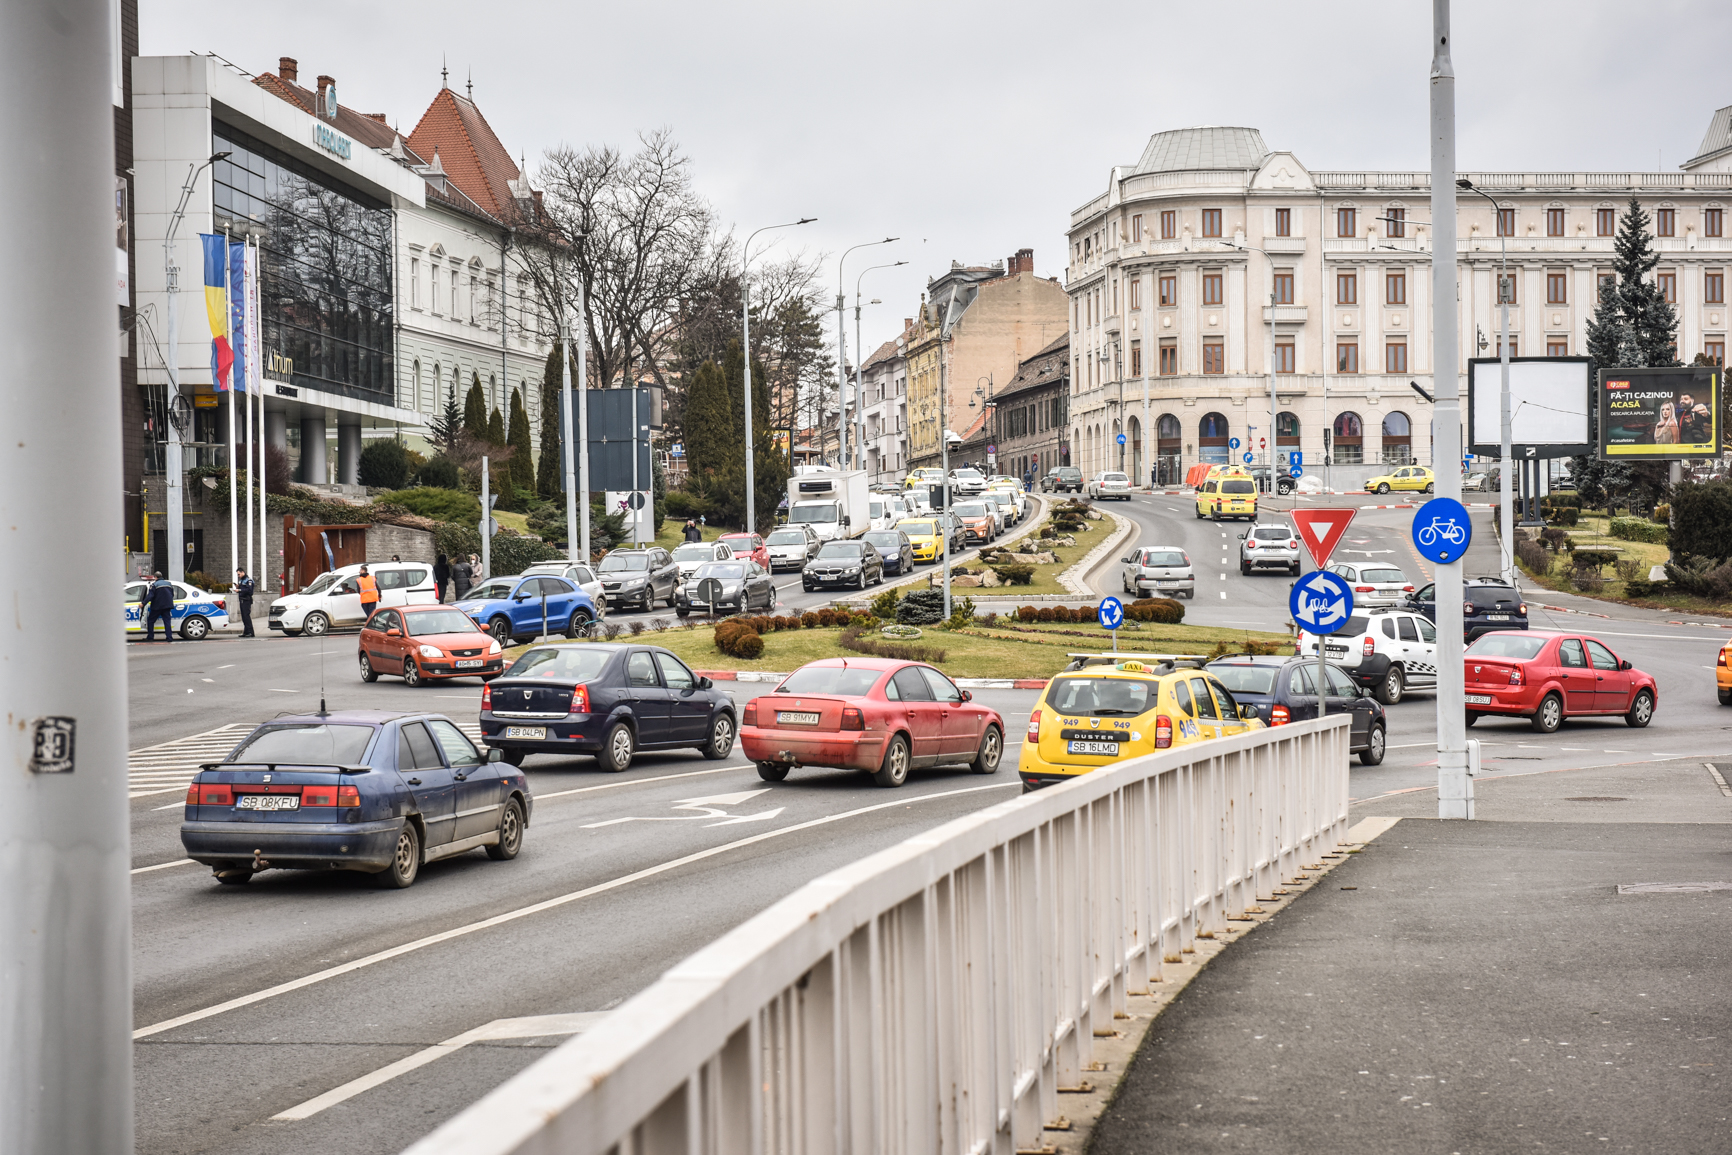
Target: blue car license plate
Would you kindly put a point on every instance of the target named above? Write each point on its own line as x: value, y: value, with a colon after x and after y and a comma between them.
x: 1085, y: 746
x: 268, y: 802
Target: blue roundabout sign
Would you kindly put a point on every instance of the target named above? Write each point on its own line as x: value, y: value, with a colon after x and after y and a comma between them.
x: 1321, y: 602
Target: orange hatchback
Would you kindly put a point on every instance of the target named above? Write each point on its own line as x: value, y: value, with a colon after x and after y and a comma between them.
x: 421, y: 642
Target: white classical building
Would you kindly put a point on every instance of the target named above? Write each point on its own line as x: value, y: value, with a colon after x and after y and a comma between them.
x: 884, y: 390
x: 1213, y: 256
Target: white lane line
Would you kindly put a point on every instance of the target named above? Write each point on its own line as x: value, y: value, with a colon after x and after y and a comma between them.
x: 230, y: 666
x: 161, y: 866
x: 1223, y: 595
x: 532, y: 1027
x: 170, y: 806
x: 274, y: 690
x: 536, y: 908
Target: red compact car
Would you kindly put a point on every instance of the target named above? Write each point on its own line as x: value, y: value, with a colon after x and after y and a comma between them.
x: 420, y: 642
x: 748, y: 545
x: 1547, y: 676
x: 874, y: 714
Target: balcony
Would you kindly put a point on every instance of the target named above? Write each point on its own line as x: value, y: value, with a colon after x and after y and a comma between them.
x: 1284, y: 314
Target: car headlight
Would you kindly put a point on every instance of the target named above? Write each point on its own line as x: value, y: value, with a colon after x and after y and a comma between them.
x: 430, y: 652
x: 628, y: 583
x: 853, y: 569
x: 493, y: 647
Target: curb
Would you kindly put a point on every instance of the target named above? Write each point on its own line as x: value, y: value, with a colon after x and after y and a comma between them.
x: 1072, y: 578
x: 962, y: 683
x: 1591, y: 614
x: 973, y: 553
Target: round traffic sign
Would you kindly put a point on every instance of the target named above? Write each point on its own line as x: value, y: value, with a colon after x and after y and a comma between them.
x: 1247, y: 457
x: 1121, y: 439
x: 1111, y: 613
x: 635, y: 500
x: 1262, y: 443
x: 992, y: 449
x: 1296, y: 471
x: 1441, y: 530
x: 1321, y: 602
x: 1232, y: 443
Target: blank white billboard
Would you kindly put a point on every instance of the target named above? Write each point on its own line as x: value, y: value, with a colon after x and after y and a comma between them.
x: 1549, y: 400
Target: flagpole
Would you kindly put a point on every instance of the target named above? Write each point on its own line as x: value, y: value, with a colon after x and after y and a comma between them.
x: 246, y: 314
x: 231, y: 604
x: 254, y: 351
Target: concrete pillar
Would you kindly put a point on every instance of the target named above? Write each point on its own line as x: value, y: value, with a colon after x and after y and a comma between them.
x: 313, y: 450
x: 348, y: 453
x: 277, y: 430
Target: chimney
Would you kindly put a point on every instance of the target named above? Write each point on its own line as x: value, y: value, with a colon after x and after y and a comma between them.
x: 288, y: 68
x: 1023, y: 262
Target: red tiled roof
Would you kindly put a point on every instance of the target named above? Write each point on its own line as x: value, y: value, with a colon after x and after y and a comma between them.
x: 472, y: 156
x: 367, y: 129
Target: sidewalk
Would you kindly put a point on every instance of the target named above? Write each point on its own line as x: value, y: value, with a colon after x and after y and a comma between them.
x: 1471, y: 987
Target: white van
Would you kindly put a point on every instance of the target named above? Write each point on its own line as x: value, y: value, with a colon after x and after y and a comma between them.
x: 334, y: 598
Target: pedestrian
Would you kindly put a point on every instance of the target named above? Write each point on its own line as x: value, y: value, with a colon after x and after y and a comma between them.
x: 395, y: 557
x: 693, y: 533
x: 475, y: 567
x: 160, y: 602
x: 244, y: 587
x: 369, y: 593
x: 462, y: 577
x: 441, y: 576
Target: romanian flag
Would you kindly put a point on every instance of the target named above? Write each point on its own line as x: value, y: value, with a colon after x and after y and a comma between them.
x: 216, y: 304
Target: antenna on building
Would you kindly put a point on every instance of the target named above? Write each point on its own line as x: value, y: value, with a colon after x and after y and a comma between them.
x: 469, y: 85
x: 444, y: 73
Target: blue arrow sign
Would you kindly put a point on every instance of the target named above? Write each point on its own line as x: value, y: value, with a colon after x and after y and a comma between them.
x: 1232, y: 443
x: 1294, y: 457
x: 1441, y: 530
x: 1247, y: 457
x: 1121, y: 439
x: 1321, y: 602
x: 1296, y: 471
x: 1111, y: 613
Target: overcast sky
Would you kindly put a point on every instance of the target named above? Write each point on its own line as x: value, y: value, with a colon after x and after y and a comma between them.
x: 971, y: 129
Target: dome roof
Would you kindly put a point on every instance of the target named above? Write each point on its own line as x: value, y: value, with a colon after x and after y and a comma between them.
x: 1206, y: 147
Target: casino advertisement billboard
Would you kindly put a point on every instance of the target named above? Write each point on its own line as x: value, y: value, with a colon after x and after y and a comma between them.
x: 1660, y: 414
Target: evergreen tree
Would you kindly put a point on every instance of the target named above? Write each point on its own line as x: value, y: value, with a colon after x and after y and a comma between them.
x: 547, y: 479
x: 445, y: 424
x: 770, y: 471
x: 494, y: 434
x: 712, y: 445
x: 475, y: 412
x: 1653, y: 323
x: 522, y: 463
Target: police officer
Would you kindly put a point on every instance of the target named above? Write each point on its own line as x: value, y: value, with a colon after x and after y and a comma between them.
x: 159, y: 603
x: 244, y: 587
x: 369, y: 593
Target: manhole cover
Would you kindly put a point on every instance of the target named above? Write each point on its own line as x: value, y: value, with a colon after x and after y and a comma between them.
x: 1671, y: 887
x: 1597, y: 798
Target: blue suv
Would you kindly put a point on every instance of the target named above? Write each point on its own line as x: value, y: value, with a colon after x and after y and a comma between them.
x: 519, y: 607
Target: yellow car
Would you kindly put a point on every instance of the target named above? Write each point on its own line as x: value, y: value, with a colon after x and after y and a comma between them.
x: 1228, y: 495
x: 923, y: 536
x: 1412, y: 478
x: 923, y: 476
x: 1723, y: 674
x: 1109, y: 710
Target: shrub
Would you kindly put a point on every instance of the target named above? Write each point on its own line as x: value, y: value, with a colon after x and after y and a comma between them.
x: 206, y: 581
x: 1553, y: 538
x: 659, y: 624
x: 437, y: 504
x: 1015, y: 575
x: 1585, y: 582
x: 1026, y: 613
x: 1642, y: 588
x: 749, y: 647
x: 1163, y: 611
x: 1702, y: 577
x: 1702, y: 520
x: 961, y: 612
x: 1045, y: 614
x: 385, y: 464
x: 809, y: 620
x: 827, y: 617
x: 1560, y: 500
x: 854, y: 638
x: 884, y: 605
x: 440, y: 473
x: 637, y: 627
x: 679, y: 504
x: 1638, y: 529
x: 731, y: 636
x: 1663, y: 514
x: 1592, y: 559
x: 1533, y: 555
x: 990, y: 620
x: 921, y: 608
x: 1563, y: 515
x: 612, y: 630
x: 1628, y: 570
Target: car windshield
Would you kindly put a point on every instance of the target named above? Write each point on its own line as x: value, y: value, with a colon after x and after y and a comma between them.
x: 920, y: 528
x: 1114, y: 478
x: 320, y: 584
x: 497, y: 588
x: 843, y: 681
x: 840, y: 549
x: 695, y: 551
x: 728, y: 571
x: 885, y: 538
x: 823, y: 512
x: 970, y: 509
x: 1385, y: 576
x: 1165, y: 557
x: 969, y: 474
x: 1238, y: 487
x: 1506, y: 646
x: 310, y: 744
x: 1271, y: 534
x: 1100, y: 697
x: 439, y: 622
x: 624, y: 562
x: 1245, y: 679
x: 784, y: 537
x: 561, y: 663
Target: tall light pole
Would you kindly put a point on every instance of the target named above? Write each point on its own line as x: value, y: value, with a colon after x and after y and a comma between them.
x: 576, y: 450
x: 860, y: 370
x: 746, y: 356
x: 842, y: 461
x: 1274, y: 404
x: 1506, y: 502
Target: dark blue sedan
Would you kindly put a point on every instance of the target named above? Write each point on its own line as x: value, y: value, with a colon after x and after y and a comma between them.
x: 353, y: 790
x: 1284, y: 689
x: 606, y: 699
x: 528, y: 607
x: 894, y: 547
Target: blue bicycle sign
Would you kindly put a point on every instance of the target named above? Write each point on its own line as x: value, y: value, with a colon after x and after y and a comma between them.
x: 1441, y: 530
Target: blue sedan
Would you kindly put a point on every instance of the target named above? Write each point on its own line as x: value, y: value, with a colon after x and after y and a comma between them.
x: 353, y: 790
x: 894, y: 547
x: 527, y: 607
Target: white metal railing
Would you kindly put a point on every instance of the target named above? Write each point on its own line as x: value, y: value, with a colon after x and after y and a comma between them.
x: 935, y: 996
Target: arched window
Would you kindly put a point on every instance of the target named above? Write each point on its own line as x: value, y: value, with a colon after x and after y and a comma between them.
x: 1286, y: 429
x: 415, y: 387
x: 1212, y: 439
x: 1134, y: 458
x: 1167, y: 428
x: 1349, y: 440
x: 1397, y: 439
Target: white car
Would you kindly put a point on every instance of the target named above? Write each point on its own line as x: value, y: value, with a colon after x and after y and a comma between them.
x: 791, y: 547
x: 885, y: 510
x: 196, y: 613
x: 966, y: 482
x: 334, y: 598
x: 1108, y: 484
x: 582, y: 575
x: 1386, y: 651
x: 1374, y: 584
x: 693, y: 554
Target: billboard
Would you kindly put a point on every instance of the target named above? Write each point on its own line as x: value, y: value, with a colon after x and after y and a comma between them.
x: 1660, y: 414
x: 1549, y: 402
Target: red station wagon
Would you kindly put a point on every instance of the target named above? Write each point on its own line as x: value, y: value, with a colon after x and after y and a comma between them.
x: 1548, y: 676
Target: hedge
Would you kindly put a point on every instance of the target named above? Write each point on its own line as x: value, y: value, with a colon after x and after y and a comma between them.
x: 1638, y: 529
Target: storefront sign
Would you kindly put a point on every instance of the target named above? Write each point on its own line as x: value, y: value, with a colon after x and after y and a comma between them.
x: 279, y: 367
x: 332, y: 142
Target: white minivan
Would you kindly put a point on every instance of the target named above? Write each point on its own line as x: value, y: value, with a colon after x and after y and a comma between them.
x: 334, y: 598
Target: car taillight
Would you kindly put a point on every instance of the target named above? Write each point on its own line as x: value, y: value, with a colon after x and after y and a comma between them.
x: 852, y: 719
x: 580, y: 699
x: 1406, y: 589
x: 348, y: 796
x: 1163, y: 732
x: 209, y: 794
x: 319, y: 795
x: 1034, y: 725
x: 1370, y: 646
x: 1250, y: 543
x: 1364, y: 589
x: 1722, y: 660
x: 1467, y: 608
x: 1522, y: 609
x: 1515, y: 676
x: 750, y: 716
x: 486, y: 697
x: 1278, y: 716
x: 1292, y: 545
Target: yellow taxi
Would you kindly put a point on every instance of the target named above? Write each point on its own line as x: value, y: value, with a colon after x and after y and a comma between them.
x: 1411, y: 478
x: 1230, y: 492
x: 925, y: 475
x: 923, y: 536
x: 1109, y: 707
x: 1723, y: 674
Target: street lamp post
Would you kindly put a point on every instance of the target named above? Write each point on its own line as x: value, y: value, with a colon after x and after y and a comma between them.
x: 746, y: 356
x: 1506, y: 500
x: 860, y: 370
x: 842, y: 461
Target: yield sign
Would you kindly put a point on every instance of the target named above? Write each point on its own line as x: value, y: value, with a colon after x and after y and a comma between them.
x: 1321, y: 530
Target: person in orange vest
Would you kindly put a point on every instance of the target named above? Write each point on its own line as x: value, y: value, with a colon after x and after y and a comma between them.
x: 369, y: 593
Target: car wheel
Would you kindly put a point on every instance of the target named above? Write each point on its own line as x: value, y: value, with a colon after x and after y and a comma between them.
x: 1473, y: 716
x: 500, y: 628
x: 1641, y: 710
x: 773, y: 771
x: 1726, y: 697
x: 194, y: 629
x: 1550, y: 715
x: 721, y: 742
x: 1372, y: 755
x: 683, y: 613
x: 578, y: 626
x: 671, y: 595
x: 616, y: 749
x: 1245, y: 569
x: 1430, y: 486
x: 405, y: 860
x: 1383, y: 488
x: 411, y: 673
x: 512, y: 755
x: 806, y: 586
x: 510, y: 833
x: 990, y: 754
x: 861, y: 580
x: 894, y: 771
x: 315, y: 624
x: 1294, y: 570
x: 1394, y: 683
x: 368, y: 674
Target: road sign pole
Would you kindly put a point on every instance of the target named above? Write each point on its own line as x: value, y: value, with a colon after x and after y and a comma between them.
x: 486, y: 525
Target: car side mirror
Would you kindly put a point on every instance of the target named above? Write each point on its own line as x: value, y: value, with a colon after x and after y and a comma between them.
x: 393, y: 632
x: 1126, y: 560
x: 1248, y: 712
x: 967, y: 695
x: 705, y: 684
x: 495, y: 754
x: 1624, y: 664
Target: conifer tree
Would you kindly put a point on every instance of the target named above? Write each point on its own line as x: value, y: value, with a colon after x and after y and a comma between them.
x: 445, y: 424
x: 495, y: 431
x: 712, y: 445
x: 522, y: 463
x: 1653, y: 323
x: 547, y: 479
x: 475, y: 411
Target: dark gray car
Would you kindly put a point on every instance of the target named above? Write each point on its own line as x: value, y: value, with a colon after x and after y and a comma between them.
x: 638, y: 578
x: 843, y: 563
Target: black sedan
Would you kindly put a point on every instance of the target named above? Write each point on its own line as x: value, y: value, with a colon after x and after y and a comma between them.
x: 1284, y: 689
x: 606, y: 699
x: 1488, y: 605
x: 895, y: 551
x: 843, y: 563
x: 739, y: 588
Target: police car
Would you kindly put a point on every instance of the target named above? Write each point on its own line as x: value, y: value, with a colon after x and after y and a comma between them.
x: 196, y: 613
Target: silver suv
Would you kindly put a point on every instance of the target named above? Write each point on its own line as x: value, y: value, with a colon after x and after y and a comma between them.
x: 1387, y: 651
x: 1163, y: 570
x: 1269, y: 547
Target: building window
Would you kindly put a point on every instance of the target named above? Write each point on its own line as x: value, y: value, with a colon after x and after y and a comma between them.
x: 1346, y: 222
x: 1349, y: 439
x: 1211, y: 222
x: 1136, y: 227
x: 1395, y: 289
x: 1347, y: 357
x: 1395, y: 357
x: 1136, y: 358
x: 1211, y: 288
x: 1286, y: 429
x: 453, y: 313
x: 1169, y: 224
x: 1554, y: 222
x: 1668, y: 285
x: 1714, y: 288
x: 414, y: 283
x: 1284, y: 360
x: 1715, y: 348
x: 1507, y: 289
x: 1284, y: 222
x: 1396, y: 222
x: 1506, y: 222
x: 1346, y: 288
x: 1213, y: 433
x: 1136, y: 292
x: 1397, y: 439
x: 1283, y: 286
x: 1514, y: 346
x: 1605, y: 222
x: 1711, y: 223
x: 1214, y: 357
x: 1169, y: 359
x: 1557, y: 288
x: 1557, y: 347
x: 1169, y: 290
x: 1665, y: 222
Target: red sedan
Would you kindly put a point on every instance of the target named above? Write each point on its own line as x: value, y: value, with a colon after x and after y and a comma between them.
x: 874, y: 714
x: 748, y: 545
x: 426, y: 642
x: 1546, y: 676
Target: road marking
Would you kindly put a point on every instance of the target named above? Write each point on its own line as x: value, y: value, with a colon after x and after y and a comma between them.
x: 275, y: 690
x: 536, y: 908
x: 532, y: 1027
x: 636, y: 782
x: 161, y: 866
x: 1719, y: 779
x: 706, y: 808
x: 230, y: 666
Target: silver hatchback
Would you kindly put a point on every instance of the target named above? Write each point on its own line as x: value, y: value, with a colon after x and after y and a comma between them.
x: 1374, y: 583
x: 1269, y: 547
x: 791, y: 547
x: 1159, y: 571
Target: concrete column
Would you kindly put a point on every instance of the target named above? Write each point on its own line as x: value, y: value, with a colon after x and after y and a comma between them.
x: 349, y: 453
x: 313, y: 450
x: 277, y: 430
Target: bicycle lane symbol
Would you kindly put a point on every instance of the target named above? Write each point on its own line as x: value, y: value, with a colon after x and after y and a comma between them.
x: 1441, y: 530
